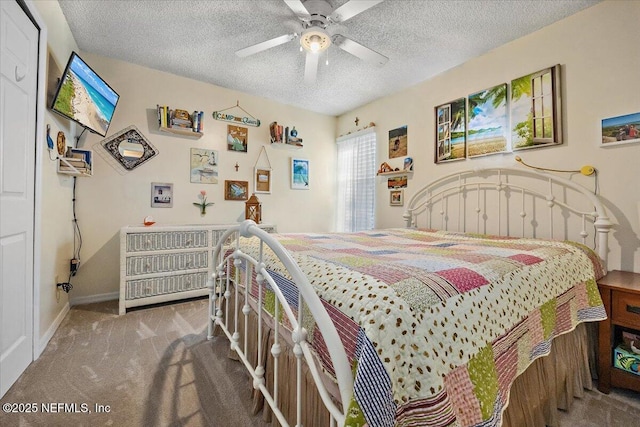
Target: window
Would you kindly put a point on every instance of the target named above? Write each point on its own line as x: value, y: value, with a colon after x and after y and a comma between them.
x: 356, y: 173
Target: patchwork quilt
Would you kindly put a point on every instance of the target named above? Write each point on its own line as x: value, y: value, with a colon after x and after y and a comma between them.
x: 437, y: 324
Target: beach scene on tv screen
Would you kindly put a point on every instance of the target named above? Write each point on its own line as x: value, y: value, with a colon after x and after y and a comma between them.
x: 86, y: 98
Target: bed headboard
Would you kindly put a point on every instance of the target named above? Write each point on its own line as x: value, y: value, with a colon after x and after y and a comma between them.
x: 512, y: 202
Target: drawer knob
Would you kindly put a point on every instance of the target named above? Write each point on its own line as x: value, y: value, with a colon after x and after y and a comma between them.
x: 633, y: 309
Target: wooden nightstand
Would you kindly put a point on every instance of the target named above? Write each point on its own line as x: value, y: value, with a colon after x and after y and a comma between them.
x: 620, y: 291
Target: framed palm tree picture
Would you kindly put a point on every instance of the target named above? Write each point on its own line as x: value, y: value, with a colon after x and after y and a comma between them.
x: 299, y: 174
x: 487, y: 122
x: 536, y: 109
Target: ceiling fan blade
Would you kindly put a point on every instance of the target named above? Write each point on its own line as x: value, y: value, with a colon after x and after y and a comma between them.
x: 351, y: 9
x: 311, y: 67
x: 356, y: 49
x: 298, y: 8
x: 265, y: 45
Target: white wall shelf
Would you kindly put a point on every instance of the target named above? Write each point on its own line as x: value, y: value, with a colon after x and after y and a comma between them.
x: 76, y: 162
x: 283, y: 146
x: 184, y: 132
x: 395, y: 173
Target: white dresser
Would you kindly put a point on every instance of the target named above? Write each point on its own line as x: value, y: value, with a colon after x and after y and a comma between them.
x: 166, y: 263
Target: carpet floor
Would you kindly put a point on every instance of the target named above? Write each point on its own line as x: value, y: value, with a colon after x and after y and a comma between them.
x: 155, y: 367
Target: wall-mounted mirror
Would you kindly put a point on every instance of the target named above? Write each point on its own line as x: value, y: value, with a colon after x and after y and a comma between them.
x: 129, y: 148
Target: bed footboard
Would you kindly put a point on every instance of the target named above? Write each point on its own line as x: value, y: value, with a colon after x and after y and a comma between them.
x: 225, y: 312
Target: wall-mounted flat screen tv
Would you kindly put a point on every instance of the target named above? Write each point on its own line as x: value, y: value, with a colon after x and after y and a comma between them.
x: 84, y: 97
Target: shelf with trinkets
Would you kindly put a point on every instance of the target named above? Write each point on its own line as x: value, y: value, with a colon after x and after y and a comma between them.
x: 284, y: 138
x: 180, y: 122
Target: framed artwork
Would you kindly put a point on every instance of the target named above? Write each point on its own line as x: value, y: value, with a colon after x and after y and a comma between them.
x: 262, y: 180
x: 237, y: 138
x: 398, y: 144
x: 236, y: 190
x: 451, y: 136
x: 487, y: 122
x: 397, y: 182
x: 204, y: 166
x: 396, y: 197
x: 536, y: 109
x: 161, y: 195
x: 621, y: 130
x: 299, y: 174
x: 408, y: 164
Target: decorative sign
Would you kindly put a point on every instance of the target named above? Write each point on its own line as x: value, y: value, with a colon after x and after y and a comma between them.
x: 226, y: 117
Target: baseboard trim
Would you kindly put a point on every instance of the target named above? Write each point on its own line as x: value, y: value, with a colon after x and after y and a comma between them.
x: 94, y: 298
x: 44, y: 340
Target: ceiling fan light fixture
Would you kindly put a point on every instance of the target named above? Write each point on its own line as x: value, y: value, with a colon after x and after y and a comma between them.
x: 315, y: 40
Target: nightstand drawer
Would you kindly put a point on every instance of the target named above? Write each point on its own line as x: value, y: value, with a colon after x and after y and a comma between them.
x: 626, y: 309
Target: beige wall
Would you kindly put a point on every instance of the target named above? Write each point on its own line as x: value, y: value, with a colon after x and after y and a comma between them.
x: 110, y: 200
x: 598, y: 50
x: 57, y: 231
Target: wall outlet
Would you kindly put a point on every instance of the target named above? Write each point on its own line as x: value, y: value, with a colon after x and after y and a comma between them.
x: 74, y: 264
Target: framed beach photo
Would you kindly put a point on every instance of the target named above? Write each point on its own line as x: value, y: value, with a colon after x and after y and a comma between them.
x: 487, y: 122
x: 236, y: 190
x: 398, y: 143
x: 621, y: 130
x: 262, y: 180
x: 451, y: 136
x: 161, y: 195
x: 299, y: 174
x: 536, y: 110
x: 396, y: 197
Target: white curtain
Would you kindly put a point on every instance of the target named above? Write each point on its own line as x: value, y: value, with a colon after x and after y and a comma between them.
x: 356, y: 181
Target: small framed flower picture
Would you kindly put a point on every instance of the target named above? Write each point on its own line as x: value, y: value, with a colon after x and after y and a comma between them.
x: 396, y: 197
x: 161, y: 195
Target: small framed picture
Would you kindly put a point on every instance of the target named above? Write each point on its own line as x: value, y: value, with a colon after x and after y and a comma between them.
x: 398, y: 143
x: 236, y: 190
x: 299, y: 174
x: 396, y: 197
x: 621, y: 130
x: 161, y: 195
x: 237, y: 138
x: 262, y: 180
x: 397, y: 182
x: 408, y: 164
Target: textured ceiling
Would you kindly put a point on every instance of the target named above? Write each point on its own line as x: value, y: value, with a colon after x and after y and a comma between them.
x: 197, y: 39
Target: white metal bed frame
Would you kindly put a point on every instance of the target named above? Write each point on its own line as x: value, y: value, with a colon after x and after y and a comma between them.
x: 434, y: 197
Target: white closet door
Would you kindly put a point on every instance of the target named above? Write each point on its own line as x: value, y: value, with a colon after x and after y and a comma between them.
x: 18, y: 91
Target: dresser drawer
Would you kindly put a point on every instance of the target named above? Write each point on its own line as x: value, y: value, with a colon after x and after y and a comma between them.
x: 162, y: 263
x: 626, y: 309
x: 140, y: 242
x: 143, y: 288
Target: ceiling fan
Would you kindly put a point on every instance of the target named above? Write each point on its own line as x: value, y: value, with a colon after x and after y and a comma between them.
x: 318, y: 21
